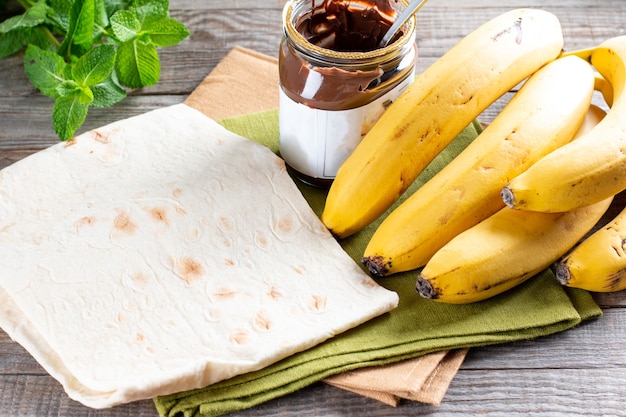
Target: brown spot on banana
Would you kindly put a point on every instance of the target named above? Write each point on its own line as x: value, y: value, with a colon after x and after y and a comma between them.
x: 615, y: 280
x: 617, y: 251
x: 469, y: 99
x: 517, y: 27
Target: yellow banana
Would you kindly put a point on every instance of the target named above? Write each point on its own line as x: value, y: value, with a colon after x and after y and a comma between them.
x: 591, y: 168
x: 503, y: 251
x: 436, y: 107
x: 601, y: 84
x: 599, y: 263
x: 604, y: 87
x: 592, y: 117
x: 542, y: 116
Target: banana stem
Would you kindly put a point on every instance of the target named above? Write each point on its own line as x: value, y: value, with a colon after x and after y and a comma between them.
x: 562, y: 274
x: 425, y: 289
x: 507, y: 196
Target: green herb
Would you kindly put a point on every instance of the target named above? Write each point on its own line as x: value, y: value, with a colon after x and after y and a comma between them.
x: 86, y: 53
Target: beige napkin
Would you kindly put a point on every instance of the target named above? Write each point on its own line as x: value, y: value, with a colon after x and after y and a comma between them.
x: 424, y: 379
x: 246, y: 82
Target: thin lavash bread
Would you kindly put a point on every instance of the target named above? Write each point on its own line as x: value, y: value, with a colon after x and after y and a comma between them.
x: 163, y: 253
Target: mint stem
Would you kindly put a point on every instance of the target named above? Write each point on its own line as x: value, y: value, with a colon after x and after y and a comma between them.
x: 25, y: 4
x: 50, y: 36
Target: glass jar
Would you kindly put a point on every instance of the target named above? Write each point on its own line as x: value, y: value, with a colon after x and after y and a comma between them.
x: 335, y: 81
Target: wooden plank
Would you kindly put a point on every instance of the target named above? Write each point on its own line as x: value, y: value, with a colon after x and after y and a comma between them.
x: 537, y: 392
x: 214, y: 34
x: 593, y: 344
x: 48, y: 399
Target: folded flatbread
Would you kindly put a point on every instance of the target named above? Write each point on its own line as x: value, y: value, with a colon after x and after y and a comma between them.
x: 163, y: 253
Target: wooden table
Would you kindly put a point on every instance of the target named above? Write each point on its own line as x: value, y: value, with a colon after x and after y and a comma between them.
x: 579, y: 372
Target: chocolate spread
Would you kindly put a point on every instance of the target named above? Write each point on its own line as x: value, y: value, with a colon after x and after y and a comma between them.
x: 343, y: 26
x: 347, y: 25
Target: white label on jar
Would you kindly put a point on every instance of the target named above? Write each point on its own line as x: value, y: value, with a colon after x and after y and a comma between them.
x: 316, y: 142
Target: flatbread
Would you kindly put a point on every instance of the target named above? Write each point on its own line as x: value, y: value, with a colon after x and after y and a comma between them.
x: 163, y: 253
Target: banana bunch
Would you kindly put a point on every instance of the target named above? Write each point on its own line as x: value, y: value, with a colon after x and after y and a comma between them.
x: 591, y: 168
x: 542, y: 116
x: 551, y: 206
x: 508, y: 247
x: 585, y: 171
x: 434, y: 109
x: 519, y: 198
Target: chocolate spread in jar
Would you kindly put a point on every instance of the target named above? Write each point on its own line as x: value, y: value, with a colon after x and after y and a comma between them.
x: 347, y: 26
x: 342, y: 26
x: 335, y: 80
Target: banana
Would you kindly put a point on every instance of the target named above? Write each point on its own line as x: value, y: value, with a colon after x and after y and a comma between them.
x: 542, y: 116
x: 503, y: 251
x: 605, y: 88
x: 593, y: 116
x: 601, y: 84
x: 599, y: 263
x: 435, y: 108
x: 591, y: 168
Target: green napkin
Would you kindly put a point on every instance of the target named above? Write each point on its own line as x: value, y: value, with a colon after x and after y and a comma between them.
x: 418, y: 326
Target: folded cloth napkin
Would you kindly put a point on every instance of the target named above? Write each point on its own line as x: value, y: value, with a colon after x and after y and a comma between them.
x: 245, y: 81
x: 244, y: 92
x: 424, y: 379
x: 418, y: 326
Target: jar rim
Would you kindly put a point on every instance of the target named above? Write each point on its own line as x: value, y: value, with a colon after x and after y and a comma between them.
x: 407, y: 36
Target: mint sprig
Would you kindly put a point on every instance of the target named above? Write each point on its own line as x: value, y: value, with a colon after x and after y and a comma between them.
x: 87, y: 53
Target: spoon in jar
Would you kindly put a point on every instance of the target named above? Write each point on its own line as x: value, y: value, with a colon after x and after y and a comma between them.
x: 406, y: 14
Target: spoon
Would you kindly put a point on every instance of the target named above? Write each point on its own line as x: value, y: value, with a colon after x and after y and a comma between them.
x: 406, y: 14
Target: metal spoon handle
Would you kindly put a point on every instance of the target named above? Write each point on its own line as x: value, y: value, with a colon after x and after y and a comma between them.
x: 406, y: 14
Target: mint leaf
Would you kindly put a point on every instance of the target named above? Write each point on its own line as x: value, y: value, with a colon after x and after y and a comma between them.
x: 30, y: 18
x: 125, y: 25
x: 13, y: 41
x: 95, y: 66
x: 59, y: 14
x: 108, y: 92
x: 85, y: 95
x: 101, y: 19
x: 85, y: 53
x: 81, y: 26
x: 69, y: 88
x: 137, y: 64
x: 68, y: 114
x: 44, y: 69
x: 166, y: 31
x: 155, y: 7
x: 149, y: 10
x: 113, y: 6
